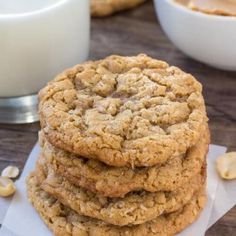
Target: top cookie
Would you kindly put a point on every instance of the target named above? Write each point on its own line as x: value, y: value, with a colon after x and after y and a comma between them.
x: 101, y: 8
x: 124, y: 111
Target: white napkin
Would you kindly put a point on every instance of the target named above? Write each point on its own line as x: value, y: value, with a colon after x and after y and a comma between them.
x: 22, y: 220
x: 5, y: 202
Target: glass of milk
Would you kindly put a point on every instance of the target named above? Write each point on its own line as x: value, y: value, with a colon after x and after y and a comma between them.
x: 38, y: 39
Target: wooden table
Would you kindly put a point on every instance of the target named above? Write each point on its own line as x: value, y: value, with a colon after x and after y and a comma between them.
x: 130, y: 33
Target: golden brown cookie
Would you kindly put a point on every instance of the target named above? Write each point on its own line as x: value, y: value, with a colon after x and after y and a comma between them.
x: 66, y: 222
x: 135, y: 208
x: 118, y: 181
x: 124, y: 111
x: 101, y: 8
x: 214, y: 7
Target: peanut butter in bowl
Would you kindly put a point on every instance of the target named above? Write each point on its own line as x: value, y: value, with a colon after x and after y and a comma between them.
x: 214, y: 7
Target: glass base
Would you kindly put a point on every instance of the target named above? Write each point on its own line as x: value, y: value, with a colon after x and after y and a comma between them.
x: 19, y: 110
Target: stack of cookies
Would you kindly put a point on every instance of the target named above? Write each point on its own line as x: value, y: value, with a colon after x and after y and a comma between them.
x: 123, y: 149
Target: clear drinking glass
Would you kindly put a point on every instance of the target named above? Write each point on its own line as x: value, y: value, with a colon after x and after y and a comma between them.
x: 38, y: 39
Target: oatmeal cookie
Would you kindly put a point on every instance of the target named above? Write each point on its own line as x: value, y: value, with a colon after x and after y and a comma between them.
x: 135, y: 208
x: 214, y: 7
x: 123, y: 111
x: 111, y: 181
x: 65, y: 222
x: 101, y: 8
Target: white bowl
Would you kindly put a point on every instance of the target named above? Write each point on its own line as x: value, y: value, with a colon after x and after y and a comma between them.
x: 207, y: 38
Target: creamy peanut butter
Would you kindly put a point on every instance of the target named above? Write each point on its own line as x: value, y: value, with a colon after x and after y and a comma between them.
x: 216, y: 7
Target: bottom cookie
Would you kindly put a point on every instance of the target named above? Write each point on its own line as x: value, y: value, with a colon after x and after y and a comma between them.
x: 135, y: 208
x: 65, y: 222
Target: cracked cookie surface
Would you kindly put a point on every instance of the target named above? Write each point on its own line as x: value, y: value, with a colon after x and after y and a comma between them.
x: 66, y: 222
x: 111, y: 181
x: 135, y: 208
x: 124, y: 111
x: 101, y: 8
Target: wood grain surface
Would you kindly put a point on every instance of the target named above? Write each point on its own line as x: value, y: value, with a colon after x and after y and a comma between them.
x: 133, y: 32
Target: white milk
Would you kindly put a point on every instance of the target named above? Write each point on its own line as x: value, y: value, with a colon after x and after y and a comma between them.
x: 23, y: 6
x: 38, y: 39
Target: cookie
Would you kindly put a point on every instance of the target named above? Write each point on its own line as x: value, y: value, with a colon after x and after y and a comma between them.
x: 65, y: 222
x: 214, y: 7
x: 123, y: 111
x: 111, y: 181
x: 101, y: 8
x: 135, y: 208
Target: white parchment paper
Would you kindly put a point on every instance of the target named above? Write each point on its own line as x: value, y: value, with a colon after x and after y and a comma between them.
x: 21, y: 218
